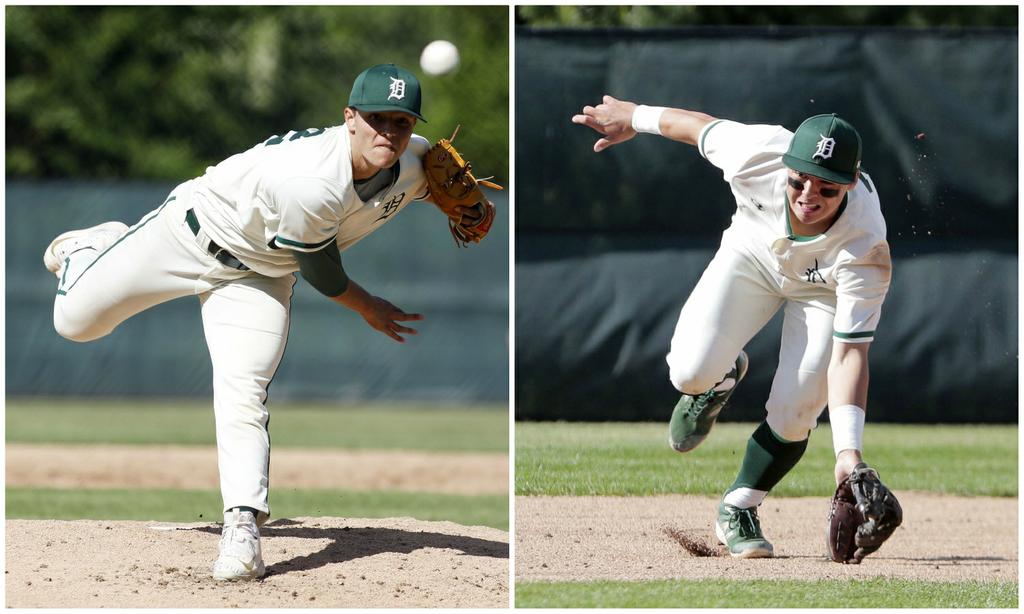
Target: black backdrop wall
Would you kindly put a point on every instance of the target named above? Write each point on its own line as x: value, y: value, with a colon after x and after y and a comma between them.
x: 608, y: 246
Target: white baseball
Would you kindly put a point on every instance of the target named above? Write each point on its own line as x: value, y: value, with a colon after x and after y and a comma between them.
x: 439, y: 57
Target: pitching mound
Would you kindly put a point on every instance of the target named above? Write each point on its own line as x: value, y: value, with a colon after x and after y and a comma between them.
x: 943, y: 538
x: 311, y: 562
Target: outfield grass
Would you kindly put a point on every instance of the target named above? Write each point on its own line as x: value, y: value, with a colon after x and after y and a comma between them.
x: 380, y: 427
x: 635, y: 459
x: 205, y: 505
x: 876, y: 593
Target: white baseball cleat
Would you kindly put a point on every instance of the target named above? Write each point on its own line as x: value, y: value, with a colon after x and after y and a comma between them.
x: 98, y: 238
x: 240, y: 557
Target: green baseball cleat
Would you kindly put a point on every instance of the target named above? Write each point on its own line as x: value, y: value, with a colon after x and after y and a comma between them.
x: 694, y: 416
x: 740, y: 531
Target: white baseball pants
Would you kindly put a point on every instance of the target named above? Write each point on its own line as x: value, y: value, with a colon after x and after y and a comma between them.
x: 733, y: 300
x: 245, y: 319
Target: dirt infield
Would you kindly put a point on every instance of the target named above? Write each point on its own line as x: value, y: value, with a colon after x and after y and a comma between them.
x: 943, y: 538
x: 109, y: 466
x: 311, y: 562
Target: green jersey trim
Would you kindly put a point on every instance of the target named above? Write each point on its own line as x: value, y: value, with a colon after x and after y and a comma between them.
x: 867, y: 182
x: 803, y: 238
x: 123, y: 237
x: 704, y: 136
x: 862, y: 335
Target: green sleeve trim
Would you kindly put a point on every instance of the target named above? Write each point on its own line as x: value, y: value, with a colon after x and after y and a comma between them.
x: 278, y: 239
x: 867, y: 182
x: 704, y: 136
x: 863, y: 335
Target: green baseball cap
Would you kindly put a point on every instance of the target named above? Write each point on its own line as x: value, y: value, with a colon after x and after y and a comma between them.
x: 825, y: 146
x: 386, y: 87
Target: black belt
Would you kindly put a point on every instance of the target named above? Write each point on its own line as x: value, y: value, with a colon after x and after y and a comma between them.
x: 222, y: 255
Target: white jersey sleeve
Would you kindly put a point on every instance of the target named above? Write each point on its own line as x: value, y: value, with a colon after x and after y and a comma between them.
x: 310, y: 212
x: 742, y: 150
x: 861, y: 285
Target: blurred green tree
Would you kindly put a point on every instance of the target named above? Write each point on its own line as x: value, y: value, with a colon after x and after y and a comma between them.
x: 630, y: 16
x: 162, y: 92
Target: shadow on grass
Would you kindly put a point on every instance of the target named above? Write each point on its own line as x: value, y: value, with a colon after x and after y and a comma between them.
x: 349, y: 543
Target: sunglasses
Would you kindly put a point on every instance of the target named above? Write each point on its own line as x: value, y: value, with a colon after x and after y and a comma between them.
x: 798, y: 185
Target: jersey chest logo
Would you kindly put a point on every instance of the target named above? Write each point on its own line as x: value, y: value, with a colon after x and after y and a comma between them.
x: 388, y: 209
x: 813, y: 275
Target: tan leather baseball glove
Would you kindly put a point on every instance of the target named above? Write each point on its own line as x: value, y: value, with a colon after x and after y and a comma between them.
x: 457, y: 193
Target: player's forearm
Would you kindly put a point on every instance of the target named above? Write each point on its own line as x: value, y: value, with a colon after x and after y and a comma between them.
x: 682, y: 125
x: 676, y: 124
x: 848, y: 375
x: 355, y: 297
x: 847, y: 402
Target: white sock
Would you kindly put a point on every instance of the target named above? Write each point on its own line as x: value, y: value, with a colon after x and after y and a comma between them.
x: 745, y: 498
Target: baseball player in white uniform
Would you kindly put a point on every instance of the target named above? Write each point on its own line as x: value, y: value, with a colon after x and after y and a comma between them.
x: 234, y: 237
x: 808, y: 237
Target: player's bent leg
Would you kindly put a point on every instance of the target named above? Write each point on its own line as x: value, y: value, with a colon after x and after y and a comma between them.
x: 694, y: 415
x: 106, y: 275
x: 767, y: 460
x: 730, y: 303
x: 246, y: 326
x: 799, y: 390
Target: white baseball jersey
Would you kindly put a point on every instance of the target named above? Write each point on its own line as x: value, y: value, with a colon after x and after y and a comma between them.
x: 293, y: 192
x: 850, y: 260
x: 296, y: 192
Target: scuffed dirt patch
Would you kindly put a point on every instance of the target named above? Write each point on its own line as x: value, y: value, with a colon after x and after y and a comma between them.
x: 943, y: 538
x: 311, y: 562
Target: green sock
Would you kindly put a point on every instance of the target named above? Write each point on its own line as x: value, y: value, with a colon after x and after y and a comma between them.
x: 768, y: 459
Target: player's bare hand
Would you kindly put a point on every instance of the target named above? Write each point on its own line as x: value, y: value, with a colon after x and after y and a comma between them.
x: 383, y: 316
x: 379, y: 314
x: 612, y: 118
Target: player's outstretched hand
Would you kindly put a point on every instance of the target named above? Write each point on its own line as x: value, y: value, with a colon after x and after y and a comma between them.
x: 383, y: 316
x: 379, y: 314
x: 612, y: 118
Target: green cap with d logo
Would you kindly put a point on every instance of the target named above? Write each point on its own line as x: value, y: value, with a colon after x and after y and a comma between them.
x: 386, y: 87
x: 825, y: 146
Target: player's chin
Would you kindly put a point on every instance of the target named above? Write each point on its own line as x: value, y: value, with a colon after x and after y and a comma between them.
x: 383, y: 157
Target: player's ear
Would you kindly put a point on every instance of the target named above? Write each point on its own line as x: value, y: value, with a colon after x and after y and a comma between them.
x: 350, y: 118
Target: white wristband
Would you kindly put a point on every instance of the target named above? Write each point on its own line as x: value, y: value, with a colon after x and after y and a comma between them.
x: 647, y: 119
x: 847, y: 427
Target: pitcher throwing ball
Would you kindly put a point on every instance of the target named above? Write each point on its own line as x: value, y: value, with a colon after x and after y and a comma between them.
x: 235, y: 236
x: 807, y: 237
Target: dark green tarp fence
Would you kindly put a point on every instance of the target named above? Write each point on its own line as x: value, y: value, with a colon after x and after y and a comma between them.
x: 608, y: 246
x: 331, y: 352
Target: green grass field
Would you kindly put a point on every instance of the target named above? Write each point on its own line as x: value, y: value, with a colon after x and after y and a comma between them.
x: 635, y: 459
x: 618, y: 459
x: 377, y: 427
x: 767, y: 594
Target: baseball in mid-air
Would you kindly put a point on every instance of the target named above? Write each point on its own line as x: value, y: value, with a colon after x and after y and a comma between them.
x: 439, y: 58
